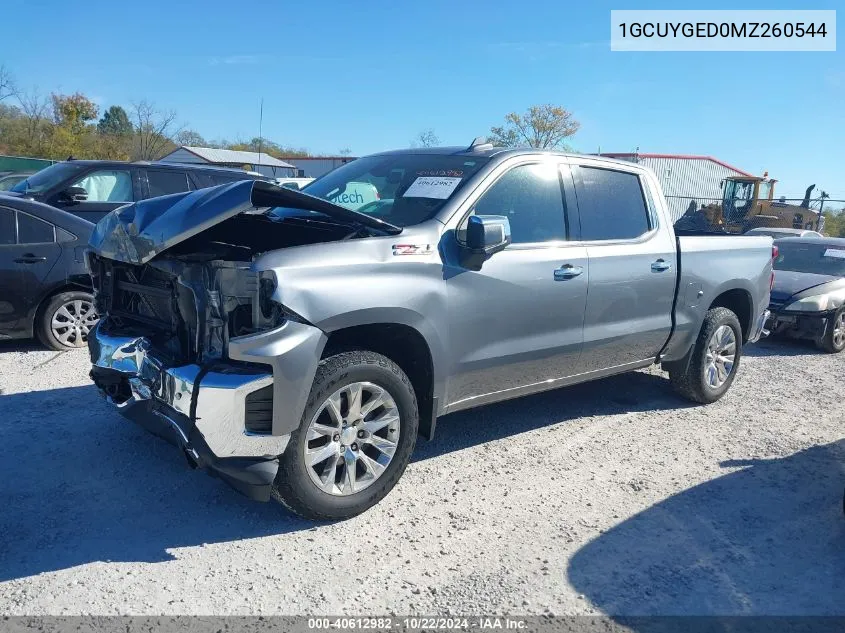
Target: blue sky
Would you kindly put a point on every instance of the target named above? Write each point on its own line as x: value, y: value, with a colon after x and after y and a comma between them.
x: 372, y: 75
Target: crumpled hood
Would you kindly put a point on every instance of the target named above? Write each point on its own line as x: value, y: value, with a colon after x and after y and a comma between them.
x: 789, y: 283
x: 137, y: 232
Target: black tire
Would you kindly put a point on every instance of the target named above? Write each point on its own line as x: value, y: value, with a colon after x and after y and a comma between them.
x: 52, y: 309
x: 293, y: 486
x: 690, y: 379
x: 827, y: 342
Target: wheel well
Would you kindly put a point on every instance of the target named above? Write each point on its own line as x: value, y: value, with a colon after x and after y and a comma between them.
x: 402, y: 344
x: 739, y: 302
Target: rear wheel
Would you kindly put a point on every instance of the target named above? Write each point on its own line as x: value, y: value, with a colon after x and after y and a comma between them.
x: 714, y: 359
x: 354, y: 441
x: 833, y: 340
x: 66, y: 320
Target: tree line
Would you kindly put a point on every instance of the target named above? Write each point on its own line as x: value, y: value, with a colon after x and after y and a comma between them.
x: 57, y: 126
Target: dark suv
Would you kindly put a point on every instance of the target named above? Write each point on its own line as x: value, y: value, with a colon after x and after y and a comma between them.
x: 92, y: 188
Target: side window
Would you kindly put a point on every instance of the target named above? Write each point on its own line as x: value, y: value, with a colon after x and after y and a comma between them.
x: 531, y: 198
x: 31, y: 230
x: 165, y: 182
x: 612, y: 205
x: 7, y: 226
x: 107, y: 185
x: 202, y: 180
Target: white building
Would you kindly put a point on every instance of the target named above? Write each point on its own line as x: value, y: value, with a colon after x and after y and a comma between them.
x: 249, y: 161
x: 685, y: 178
x: 316, y: 166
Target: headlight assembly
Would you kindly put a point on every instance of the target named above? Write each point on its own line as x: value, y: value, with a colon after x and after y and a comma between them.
x: 817, y: 303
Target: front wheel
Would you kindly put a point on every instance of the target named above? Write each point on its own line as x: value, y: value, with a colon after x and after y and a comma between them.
x: 714, y: 359
x: 833, y: 340
x: 354, y: 441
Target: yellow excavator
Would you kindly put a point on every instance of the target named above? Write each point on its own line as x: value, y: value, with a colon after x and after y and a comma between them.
x: 747, y: 203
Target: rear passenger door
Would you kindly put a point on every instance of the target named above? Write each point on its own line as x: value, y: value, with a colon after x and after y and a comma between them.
x: 28, y: 252
x: 632, y: 268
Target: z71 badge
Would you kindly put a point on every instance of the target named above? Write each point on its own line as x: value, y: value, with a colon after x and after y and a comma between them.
x: 412, y: 249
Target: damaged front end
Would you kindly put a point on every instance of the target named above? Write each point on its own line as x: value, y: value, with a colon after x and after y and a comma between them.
x: 194, y: 343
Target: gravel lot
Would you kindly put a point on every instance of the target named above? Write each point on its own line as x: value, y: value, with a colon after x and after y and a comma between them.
x: 615, y: 497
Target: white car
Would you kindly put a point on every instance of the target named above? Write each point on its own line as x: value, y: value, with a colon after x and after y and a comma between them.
x: 293, y: 183
x: 778, y: 233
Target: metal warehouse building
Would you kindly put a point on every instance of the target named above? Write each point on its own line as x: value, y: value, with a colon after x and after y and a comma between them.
x: 253, y: 161
x: 685, y: 178
x: 316, y: 166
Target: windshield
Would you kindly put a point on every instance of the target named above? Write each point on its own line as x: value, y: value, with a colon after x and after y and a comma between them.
x: 47, y: 178
x: 822, y: 259
x: 401, y: 189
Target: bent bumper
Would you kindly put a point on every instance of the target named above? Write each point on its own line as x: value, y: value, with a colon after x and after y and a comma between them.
x: 760, y: 329
x: 203, y: 409
x: 806, y: 325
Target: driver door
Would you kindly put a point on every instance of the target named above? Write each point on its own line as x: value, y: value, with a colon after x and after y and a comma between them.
x: 518, y: 323
x: 107, y: 190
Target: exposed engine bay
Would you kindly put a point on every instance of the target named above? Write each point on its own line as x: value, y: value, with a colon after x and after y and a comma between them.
x: 190, y: 300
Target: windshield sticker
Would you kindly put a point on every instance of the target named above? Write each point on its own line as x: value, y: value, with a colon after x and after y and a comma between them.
x: 833, y: 252
x: 437, y: 187
x: 458, y: 173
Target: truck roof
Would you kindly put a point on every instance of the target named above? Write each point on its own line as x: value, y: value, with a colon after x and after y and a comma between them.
x: 488, y: 151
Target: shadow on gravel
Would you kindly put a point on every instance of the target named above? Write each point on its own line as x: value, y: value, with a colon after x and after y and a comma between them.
x: 766, y: 540
x: 22, y: 345
x: 79, y: 484
x: 636, y: 391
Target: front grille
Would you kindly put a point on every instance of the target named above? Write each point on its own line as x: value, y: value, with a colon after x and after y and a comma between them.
x: 258, y: 413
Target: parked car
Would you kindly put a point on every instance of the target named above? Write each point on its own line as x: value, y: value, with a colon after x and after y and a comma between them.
x: 785, y: 232
x: 7, y: 181
x: 808, y: 296
x: 93, y: 188
x: 296, y: 347
x: 293, y: 183
x: 45, y: 290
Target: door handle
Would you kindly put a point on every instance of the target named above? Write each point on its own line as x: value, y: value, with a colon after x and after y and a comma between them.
x: 567, y: 271
x: 29, y: 258
x: 659, y: 266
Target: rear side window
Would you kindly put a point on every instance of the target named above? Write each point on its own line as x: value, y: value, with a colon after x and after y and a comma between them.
x: 163, y: 183
x: 7, y: 226
x: 205, y: 179
x: 612, y: 205
x: 34, y: 231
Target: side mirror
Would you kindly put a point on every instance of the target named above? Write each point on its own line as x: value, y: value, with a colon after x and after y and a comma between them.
x: 75, y: 194
x: 486, y: 235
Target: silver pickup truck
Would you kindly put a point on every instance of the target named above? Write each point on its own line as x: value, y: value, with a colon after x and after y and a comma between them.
x: 296, y: 347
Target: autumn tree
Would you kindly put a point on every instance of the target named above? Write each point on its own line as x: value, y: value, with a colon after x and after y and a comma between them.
x: 542, y: 126
x: 73, y: 111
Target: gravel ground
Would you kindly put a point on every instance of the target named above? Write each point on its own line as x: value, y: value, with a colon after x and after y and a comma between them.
x: 615, y: 497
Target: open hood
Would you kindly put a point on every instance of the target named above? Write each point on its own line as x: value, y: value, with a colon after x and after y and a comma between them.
x: 137, y: 232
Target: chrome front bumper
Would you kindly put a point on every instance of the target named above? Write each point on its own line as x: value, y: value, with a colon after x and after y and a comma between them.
x: 188, y: 399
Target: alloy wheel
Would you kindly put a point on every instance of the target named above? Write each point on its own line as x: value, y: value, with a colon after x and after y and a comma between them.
x: 72, y: 322
x: 839, y: 331
x: 720, y: 357
x: 352, y: 439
